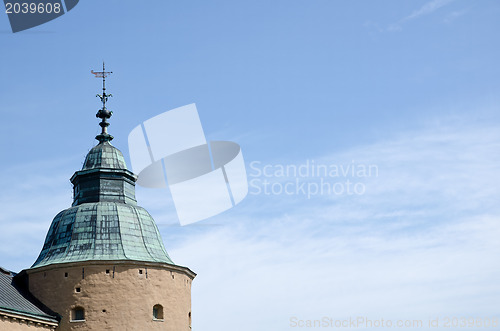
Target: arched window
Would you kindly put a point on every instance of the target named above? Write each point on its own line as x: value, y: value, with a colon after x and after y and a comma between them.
x: 158, y: 312
x: 77, y: 314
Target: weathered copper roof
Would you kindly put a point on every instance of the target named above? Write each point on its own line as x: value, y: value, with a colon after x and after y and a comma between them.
x: 104, y: 155
x: 105, y: 222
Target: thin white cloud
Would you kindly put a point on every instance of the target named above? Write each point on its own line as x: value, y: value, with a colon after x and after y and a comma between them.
x: 427, y: 9
x: 418, y: 244
x: 265, y: 278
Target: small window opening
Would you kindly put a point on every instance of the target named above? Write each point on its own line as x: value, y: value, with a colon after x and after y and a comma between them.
x: 140, y: 271
x: 158, y: 312
x: 78, y: 290
x: 65, y: 274
x: 78, y: 314
x: 107, y: 271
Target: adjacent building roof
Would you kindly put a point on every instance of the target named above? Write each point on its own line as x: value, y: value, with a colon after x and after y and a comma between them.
x: 16, y: 300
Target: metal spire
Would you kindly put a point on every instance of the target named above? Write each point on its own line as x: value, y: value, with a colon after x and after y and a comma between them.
x: 103, y: 113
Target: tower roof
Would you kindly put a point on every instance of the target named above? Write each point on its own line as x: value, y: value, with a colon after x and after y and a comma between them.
x: 104, y: 222
x: 102, y: 231
x: 104, y: 155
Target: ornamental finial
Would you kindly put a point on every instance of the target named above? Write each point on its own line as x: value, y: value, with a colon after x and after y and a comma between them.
x: 103, y: 113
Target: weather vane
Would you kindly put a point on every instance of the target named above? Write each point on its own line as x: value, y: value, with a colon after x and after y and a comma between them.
x: 103, y: 113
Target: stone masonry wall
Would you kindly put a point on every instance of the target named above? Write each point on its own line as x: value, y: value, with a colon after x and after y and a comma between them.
x: 115, y: 296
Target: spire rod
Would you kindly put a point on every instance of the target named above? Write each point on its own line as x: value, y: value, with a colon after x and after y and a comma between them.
x: 103, y: 113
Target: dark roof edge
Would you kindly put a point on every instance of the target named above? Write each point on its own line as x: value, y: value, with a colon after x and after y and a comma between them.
x: 168, y: 266
x: 6, y: 271
x: 125, y: 172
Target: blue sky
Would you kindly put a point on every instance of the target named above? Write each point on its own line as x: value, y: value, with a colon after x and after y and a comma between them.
x: 409, y: 86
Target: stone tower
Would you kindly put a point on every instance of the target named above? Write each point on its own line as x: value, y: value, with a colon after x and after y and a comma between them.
x: 103, y: 265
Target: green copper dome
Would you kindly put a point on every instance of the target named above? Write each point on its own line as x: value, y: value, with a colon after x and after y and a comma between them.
x: 104, y: 155
x: 105, y: 222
